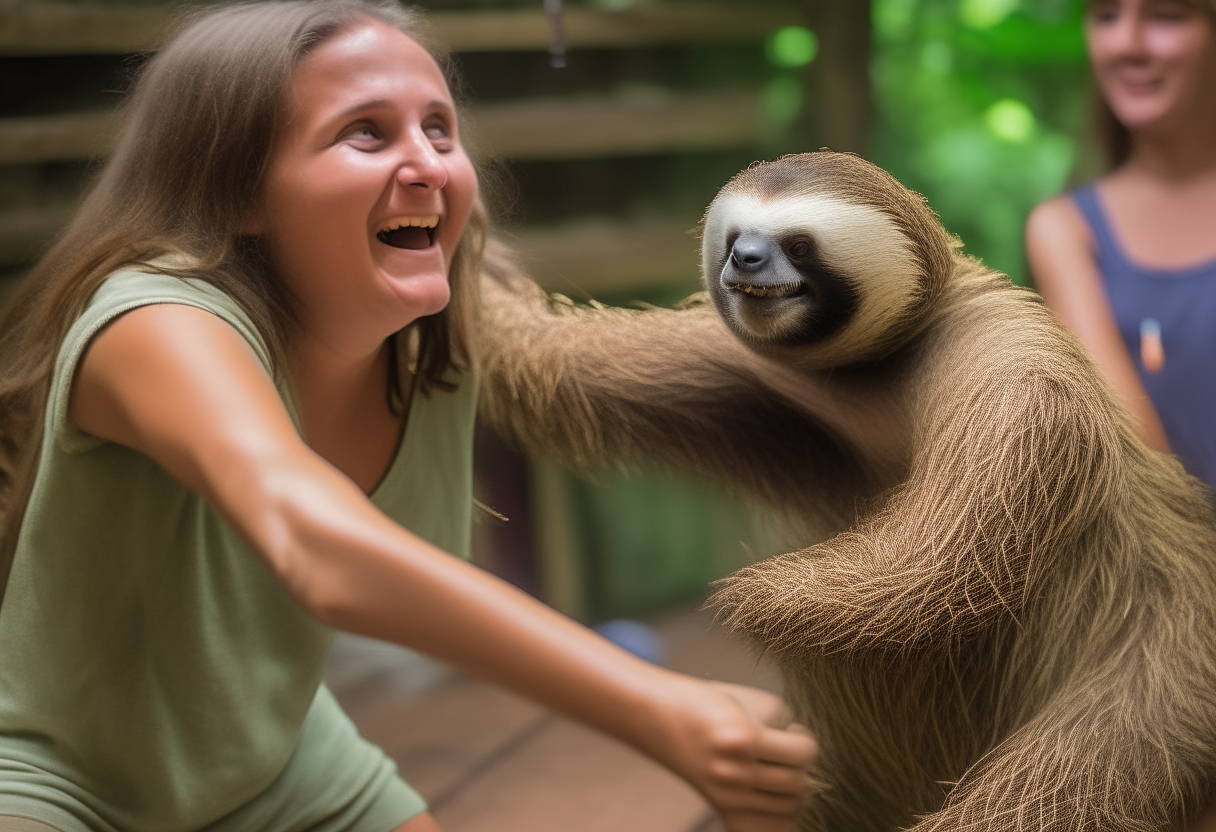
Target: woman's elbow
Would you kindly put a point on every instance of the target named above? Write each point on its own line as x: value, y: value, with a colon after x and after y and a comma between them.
x: 289, y: 520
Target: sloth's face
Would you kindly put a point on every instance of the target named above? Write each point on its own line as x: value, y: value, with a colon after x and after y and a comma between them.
x: 807, y: 270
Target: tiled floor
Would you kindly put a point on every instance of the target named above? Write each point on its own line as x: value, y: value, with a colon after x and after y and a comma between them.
x: 487, y: 760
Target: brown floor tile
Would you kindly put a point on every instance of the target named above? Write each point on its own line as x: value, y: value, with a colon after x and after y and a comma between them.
x: 566, y: 778
x: 488, y: 760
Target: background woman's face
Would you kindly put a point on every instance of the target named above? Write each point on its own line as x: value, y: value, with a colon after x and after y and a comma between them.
x: 1154, y: 60
x: 368, y: 187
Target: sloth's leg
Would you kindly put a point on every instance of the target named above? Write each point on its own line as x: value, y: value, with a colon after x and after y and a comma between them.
x: 1079, y: 769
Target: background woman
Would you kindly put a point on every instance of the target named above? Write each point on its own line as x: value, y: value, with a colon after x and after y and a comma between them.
x: 226, y: 393
x: 1129, y: 262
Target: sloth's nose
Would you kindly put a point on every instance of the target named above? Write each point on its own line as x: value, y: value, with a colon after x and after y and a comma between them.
x: 751, y: 252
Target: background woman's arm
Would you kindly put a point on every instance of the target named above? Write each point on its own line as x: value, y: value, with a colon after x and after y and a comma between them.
x: 179, y: 385
x: 1059, y: 249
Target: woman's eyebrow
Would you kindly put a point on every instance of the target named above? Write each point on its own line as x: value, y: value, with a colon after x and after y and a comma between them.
x: 360, y: 107
x: 434, y: 104
x: 441, y: 104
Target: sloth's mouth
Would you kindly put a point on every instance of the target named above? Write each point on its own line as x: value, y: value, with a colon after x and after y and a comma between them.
x: 772, y: 290
x: 409, y: 232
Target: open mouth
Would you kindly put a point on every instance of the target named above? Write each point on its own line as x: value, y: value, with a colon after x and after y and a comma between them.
x: 775, y: 290
x: 412, y: 232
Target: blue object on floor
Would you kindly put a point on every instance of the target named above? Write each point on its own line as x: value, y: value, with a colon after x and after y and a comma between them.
x: 633, y: 636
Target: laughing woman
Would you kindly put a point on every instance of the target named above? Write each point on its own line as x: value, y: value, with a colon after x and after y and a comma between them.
x: 236, y: 404
x: 1129, y: 262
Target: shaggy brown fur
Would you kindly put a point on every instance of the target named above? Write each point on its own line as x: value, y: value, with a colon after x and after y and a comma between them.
x: 1014, y: 626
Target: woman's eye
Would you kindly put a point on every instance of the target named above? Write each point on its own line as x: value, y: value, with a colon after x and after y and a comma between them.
x: 1168, y: 11
x: 437, y: 131
x: 362, y: 134
x: 1103, y: 12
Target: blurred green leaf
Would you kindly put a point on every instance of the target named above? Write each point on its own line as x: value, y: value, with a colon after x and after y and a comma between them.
x: 782, y: 98
x: 979, y: 106
x: 1010, y: 120
x: 984, y: 14
x: 791, y: 46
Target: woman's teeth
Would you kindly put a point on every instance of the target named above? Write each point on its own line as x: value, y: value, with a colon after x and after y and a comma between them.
x: 414, y: 232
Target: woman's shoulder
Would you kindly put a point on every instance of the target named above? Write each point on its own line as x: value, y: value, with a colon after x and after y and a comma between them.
x: 157, y: 281
x: 161, y: 281
x: 1058, y: 225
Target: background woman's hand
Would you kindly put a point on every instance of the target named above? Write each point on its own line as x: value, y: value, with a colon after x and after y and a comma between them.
x: 736, y: 745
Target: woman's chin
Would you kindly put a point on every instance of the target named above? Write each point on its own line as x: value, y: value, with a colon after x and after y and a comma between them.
x: 423, y: 294
x: 1143, y: 112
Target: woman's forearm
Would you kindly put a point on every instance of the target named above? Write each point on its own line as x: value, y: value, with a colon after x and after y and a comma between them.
x: 366, y: 574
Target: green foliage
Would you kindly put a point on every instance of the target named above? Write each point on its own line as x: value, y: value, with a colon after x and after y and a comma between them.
x: 791, y: 46
x: 651, y: 541
x: 979, y: 106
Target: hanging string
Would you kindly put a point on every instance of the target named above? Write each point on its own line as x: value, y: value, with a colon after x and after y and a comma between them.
x: 557, y: 34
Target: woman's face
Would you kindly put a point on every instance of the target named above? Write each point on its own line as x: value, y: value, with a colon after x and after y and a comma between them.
x: 1154, y: 60
x: 368, y: 187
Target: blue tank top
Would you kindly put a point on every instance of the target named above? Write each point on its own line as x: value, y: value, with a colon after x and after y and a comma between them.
x: 1179, y: 308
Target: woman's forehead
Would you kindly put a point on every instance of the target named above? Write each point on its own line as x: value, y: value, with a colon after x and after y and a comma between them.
x: 365, y: 57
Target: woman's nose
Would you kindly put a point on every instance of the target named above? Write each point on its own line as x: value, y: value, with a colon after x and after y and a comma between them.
x: 1127, y: 35
x: 421, y: 165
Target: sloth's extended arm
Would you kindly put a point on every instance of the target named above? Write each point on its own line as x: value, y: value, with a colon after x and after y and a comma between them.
x: 1014, y: 460
x: 591, y: 386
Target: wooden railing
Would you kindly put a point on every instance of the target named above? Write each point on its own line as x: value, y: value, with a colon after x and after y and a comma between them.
x: 527, y: 129
x: 50, y: 28
x: 645, y: 122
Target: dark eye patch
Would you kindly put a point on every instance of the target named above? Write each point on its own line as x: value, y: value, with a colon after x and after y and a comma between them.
x: 800, y: 249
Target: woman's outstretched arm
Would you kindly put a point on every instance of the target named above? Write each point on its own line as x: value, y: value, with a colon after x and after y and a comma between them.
x: 179, y: 385
x: 1059, y: 249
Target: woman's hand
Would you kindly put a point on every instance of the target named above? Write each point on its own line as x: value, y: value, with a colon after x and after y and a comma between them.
x: 736, y: 745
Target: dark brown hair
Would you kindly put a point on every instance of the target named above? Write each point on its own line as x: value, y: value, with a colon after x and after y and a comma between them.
x: 195, y: 138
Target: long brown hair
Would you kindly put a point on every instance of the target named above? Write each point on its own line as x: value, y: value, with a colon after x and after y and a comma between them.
x: 1114, y: 140
x: 196, y: 135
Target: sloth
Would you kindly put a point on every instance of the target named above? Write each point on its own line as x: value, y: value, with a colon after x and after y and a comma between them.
x: 1005, y: 616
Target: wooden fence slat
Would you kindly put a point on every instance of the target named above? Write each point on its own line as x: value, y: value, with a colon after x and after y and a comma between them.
x: 25, y: 232
x: 33, y: 139
x: 601, y: 257
x: 526, y: 129
x: 596, y: 127
x: 51, y: 28
x: 526, y: 30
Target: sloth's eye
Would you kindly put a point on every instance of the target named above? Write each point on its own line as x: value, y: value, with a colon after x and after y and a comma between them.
x: 799, y: 248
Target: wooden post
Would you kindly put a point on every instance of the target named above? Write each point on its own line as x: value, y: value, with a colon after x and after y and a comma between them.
x: 838, y: 79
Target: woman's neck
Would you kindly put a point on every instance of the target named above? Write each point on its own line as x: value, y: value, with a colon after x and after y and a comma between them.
x: 1176, y: 156
x: 343, y: 408
x: 1161, y: 201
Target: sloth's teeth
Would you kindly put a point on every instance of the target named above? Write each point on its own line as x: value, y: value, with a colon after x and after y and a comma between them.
x: 783, y: 290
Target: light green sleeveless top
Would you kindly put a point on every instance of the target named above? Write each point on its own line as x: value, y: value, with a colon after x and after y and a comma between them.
x: 154, y: 675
